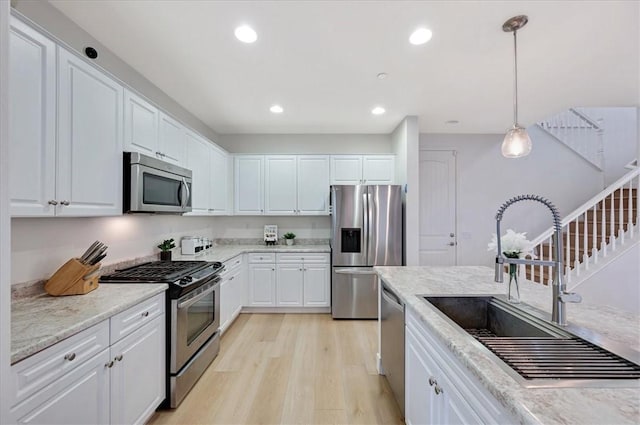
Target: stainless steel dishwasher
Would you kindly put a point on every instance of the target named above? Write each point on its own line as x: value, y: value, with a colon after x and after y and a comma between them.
x: 392, y: 341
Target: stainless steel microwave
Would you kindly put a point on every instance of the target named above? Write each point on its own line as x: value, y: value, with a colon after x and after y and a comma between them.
x: 155, y: 186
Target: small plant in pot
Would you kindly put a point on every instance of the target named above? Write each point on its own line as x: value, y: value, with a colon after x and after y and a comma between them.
x: 165, y: 249
x: 289, y: 237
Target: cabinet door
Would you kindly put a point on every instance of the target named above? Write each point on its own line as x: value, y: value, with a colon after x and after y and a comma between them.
x: 316, y: 285
x: 313, y: 185
x: 198, y: 162
x: 378, y: 169
x: 226, y: 303
x: 218, y: 183
x: 262, y: 285
x: 289, y: 285
x: 138, y: 374
x: 79, y: 397
x: 171, y: 140
x: 280, y: 185
x: 89, y: 172
x: 346, y: 169
x: 421, y: 405
x: 249, y: 189
x: 140, y: 125
x: 32, y: 129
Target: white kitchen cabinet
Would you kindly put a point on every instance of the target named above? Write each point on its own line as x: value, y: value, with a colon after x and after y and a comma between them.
x: 32, y: 129
x: 232, y: 291
x: 289, y: 278
x: 362, y: 169
x: 280, y: 185
x: 141, y: 121
x: 313, y: 184
x: 137, y: 384
x: 438, y: 389
x: 249, y: 184
x: 317, y: 280
x: 262, y: 285
x: 198, y: 162
x: 89, y: 158
x: 218, y: 181
x: 171, y: 140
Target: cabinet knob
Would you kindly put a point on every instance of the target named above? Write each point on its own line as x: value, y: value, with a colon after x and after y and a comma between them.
x: 432, y: 381
x: 65, y: 203
x: 158, y: 153
x: 438, y: 390
x: 273, y: 270
x: 300, y: 269
x: 53, y: 202
x: 145, y: 314
x: 231, y: 278
x: 118, y: 358
x: 452, y: 244
x: 70, y: 357
x: 109, y: 365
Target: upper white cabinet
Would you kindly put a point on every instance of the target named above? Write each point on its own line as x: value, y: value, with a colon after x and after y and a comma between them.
x: 89, y: 167
x: 152, y: 132
x: 362, y: 169
x: 249, y: 184
x: 290, y: 185
x: 32, y: 129
x: 218, y: 181
x: 209, y: 166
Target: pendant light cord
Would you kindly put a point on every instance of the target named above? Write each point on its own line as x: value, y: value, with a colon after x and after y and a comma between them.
x: 515, y: 88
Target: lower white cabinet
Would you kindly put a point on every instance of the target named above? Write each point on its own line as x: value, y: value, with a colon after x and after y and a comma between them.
x: 90, y: 379
x: 289, y: 279
x: 262, y: 285
x: 317, y: 281
x: 232, y: 291
x: 438, y: 389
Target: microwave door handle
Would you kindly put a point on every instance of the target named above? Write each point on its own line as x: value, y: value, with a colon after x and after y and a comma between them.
x: 184, y: 200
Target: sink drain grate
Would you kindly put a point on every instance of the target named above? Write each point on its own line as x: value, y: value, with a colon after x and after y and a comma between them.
x: 557, y: 358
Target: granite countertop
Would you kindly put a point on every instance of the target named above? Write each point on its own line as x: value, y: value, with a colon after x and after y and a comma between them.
x: 223, y: 253
x: 526, y: 405
x: 40, y: 321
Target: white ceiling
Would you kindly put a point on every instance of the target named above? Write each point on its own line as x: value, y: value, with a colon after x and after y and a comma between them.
x: 319, y: 60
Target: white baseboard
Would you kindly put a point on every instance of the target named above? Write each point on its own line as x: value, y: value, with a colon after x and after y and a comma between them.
x: 300, y: 310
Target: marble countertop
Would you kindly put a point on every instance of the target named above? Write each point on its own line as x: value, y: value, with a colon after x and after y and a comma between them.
x: 39, y: 322
x: 527, y: 405
x: 223, y: 253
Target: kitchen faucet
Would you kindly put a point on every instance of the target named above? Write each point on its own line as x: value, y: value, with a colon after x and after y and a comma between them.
x: 560, y: 296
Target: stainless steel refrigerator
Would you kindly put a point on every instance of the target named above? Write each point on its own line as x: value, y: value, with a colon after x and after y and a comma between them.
x: 366, y: 231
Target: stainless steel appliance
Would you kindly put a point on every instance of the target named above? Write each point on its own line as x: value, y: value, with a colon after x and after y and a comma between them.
x: 154, y: 186
x: 366, y: 231
x: 193, y: 317
x: 392, y: 341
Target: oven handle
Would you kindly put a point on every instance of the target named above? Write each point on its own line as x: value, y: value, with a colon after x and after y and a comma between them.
x: 191, y: 301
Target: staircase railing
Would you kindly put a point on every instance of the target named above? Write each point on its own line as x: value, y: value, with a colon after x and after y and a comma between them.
x: 593, y: 231
x: 579, y: 132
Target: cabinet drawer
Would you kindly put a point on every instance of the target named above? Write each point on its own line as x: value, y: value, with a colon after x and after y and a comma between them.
x: 39, y: 370
x: 262, y: 257
x: 303, y: 257
x: 122, y: 324
x: 231, y: 266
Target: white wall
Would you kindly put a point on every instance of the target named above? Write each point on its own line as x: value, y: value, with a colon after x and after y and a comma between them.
x: 306, y: 143
x: 486, y: 179
x: 617, y: 284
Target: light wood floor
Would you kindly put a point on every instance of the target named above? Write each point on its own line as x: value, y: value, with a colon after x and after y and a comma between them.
x: 291, y: 369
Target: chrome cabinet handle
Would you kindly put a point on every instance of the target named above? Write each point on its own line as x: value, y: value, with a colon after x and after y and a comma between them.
x: 65, y: 203
x: 118, y: 358
x: 438, y: 390
x: 53, y: 202
x: 70, y: 357
x: 109, y: 365
x: 145, y: 314
x: 432, y: 381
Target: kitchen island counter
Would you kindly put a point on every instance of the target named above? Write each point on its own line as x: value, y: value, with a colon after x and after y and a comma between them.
x: 40, y: 321
x: 526, y: 405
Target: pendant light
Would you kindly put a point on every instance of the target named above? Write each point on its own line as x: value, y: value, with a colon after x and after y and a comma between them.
x: 516, y: 142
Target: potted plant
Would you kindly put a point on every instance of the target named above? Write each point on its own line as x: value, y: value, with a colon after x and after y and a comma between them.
x: 289, y: 237
x: 165, y: 249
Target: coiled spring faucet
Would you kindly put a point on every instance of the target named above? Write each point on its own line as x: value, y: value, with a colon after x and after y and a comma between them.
x: 560, y: 294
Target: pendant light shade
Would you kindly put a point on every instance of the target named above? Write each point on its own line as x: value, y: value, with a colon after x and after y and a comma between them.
x: 516, y: 142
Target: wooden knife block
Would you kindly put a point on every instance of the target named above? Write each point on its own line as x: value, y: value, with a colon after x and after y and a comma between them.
x: 70, y: 279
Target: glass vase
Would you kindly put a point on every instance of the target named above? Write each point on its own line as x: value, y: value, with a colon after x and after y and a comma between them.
x: 513, y: 291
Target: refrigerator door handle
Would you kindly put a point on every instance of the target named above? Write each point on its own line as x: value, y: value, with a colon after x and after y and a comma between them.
x: 354, y: 271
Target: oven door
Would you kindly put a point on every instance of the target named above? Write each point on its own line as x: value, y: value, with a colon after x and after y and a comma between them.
x: 195, y: 317
x: 154, y: 190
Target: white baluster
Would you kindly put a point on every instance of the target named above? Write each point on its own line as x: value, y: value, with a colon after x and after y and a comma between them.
x: 621, y: 216
x: 585, y: 240
x: 612, y: 225
x: 576, y: 258
x: 603, y: 229
x: 594, y: 236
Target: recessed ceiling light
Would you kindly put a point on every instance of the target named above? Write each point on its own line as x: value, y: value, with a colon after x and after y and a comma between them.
x: 382, y: 75
x: 378, y: 110
x: 276, y: 109
x: 420, y: 36
x: 246, y: 34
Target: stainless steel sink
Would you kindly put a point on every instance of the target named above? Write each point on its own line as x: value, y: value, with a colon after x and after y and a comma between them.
x: 535, y: 351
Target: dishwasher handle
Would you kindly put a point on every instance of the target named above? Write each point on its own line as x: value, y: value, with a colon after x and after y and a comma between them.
x: 391, y: 297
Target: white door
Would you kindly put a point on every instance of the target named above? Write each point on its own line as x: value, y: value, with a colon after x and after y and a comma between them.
x: 171, y: 140
x: 289, y: 287
x: 346, y: 169
x: 378, y: 169
x: 262, y: 285
x: 438, y: 208
x: 313, y: 185
x: 32, y: 129
x: 421, y: 405
x: 89, y: 172
x: 280, y: 186
x: 198, y: 162
x: 218, y: 182
x: 140, y: 125
x: 138, y: 374
x: 249, y: 190
x: 316, y: 285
